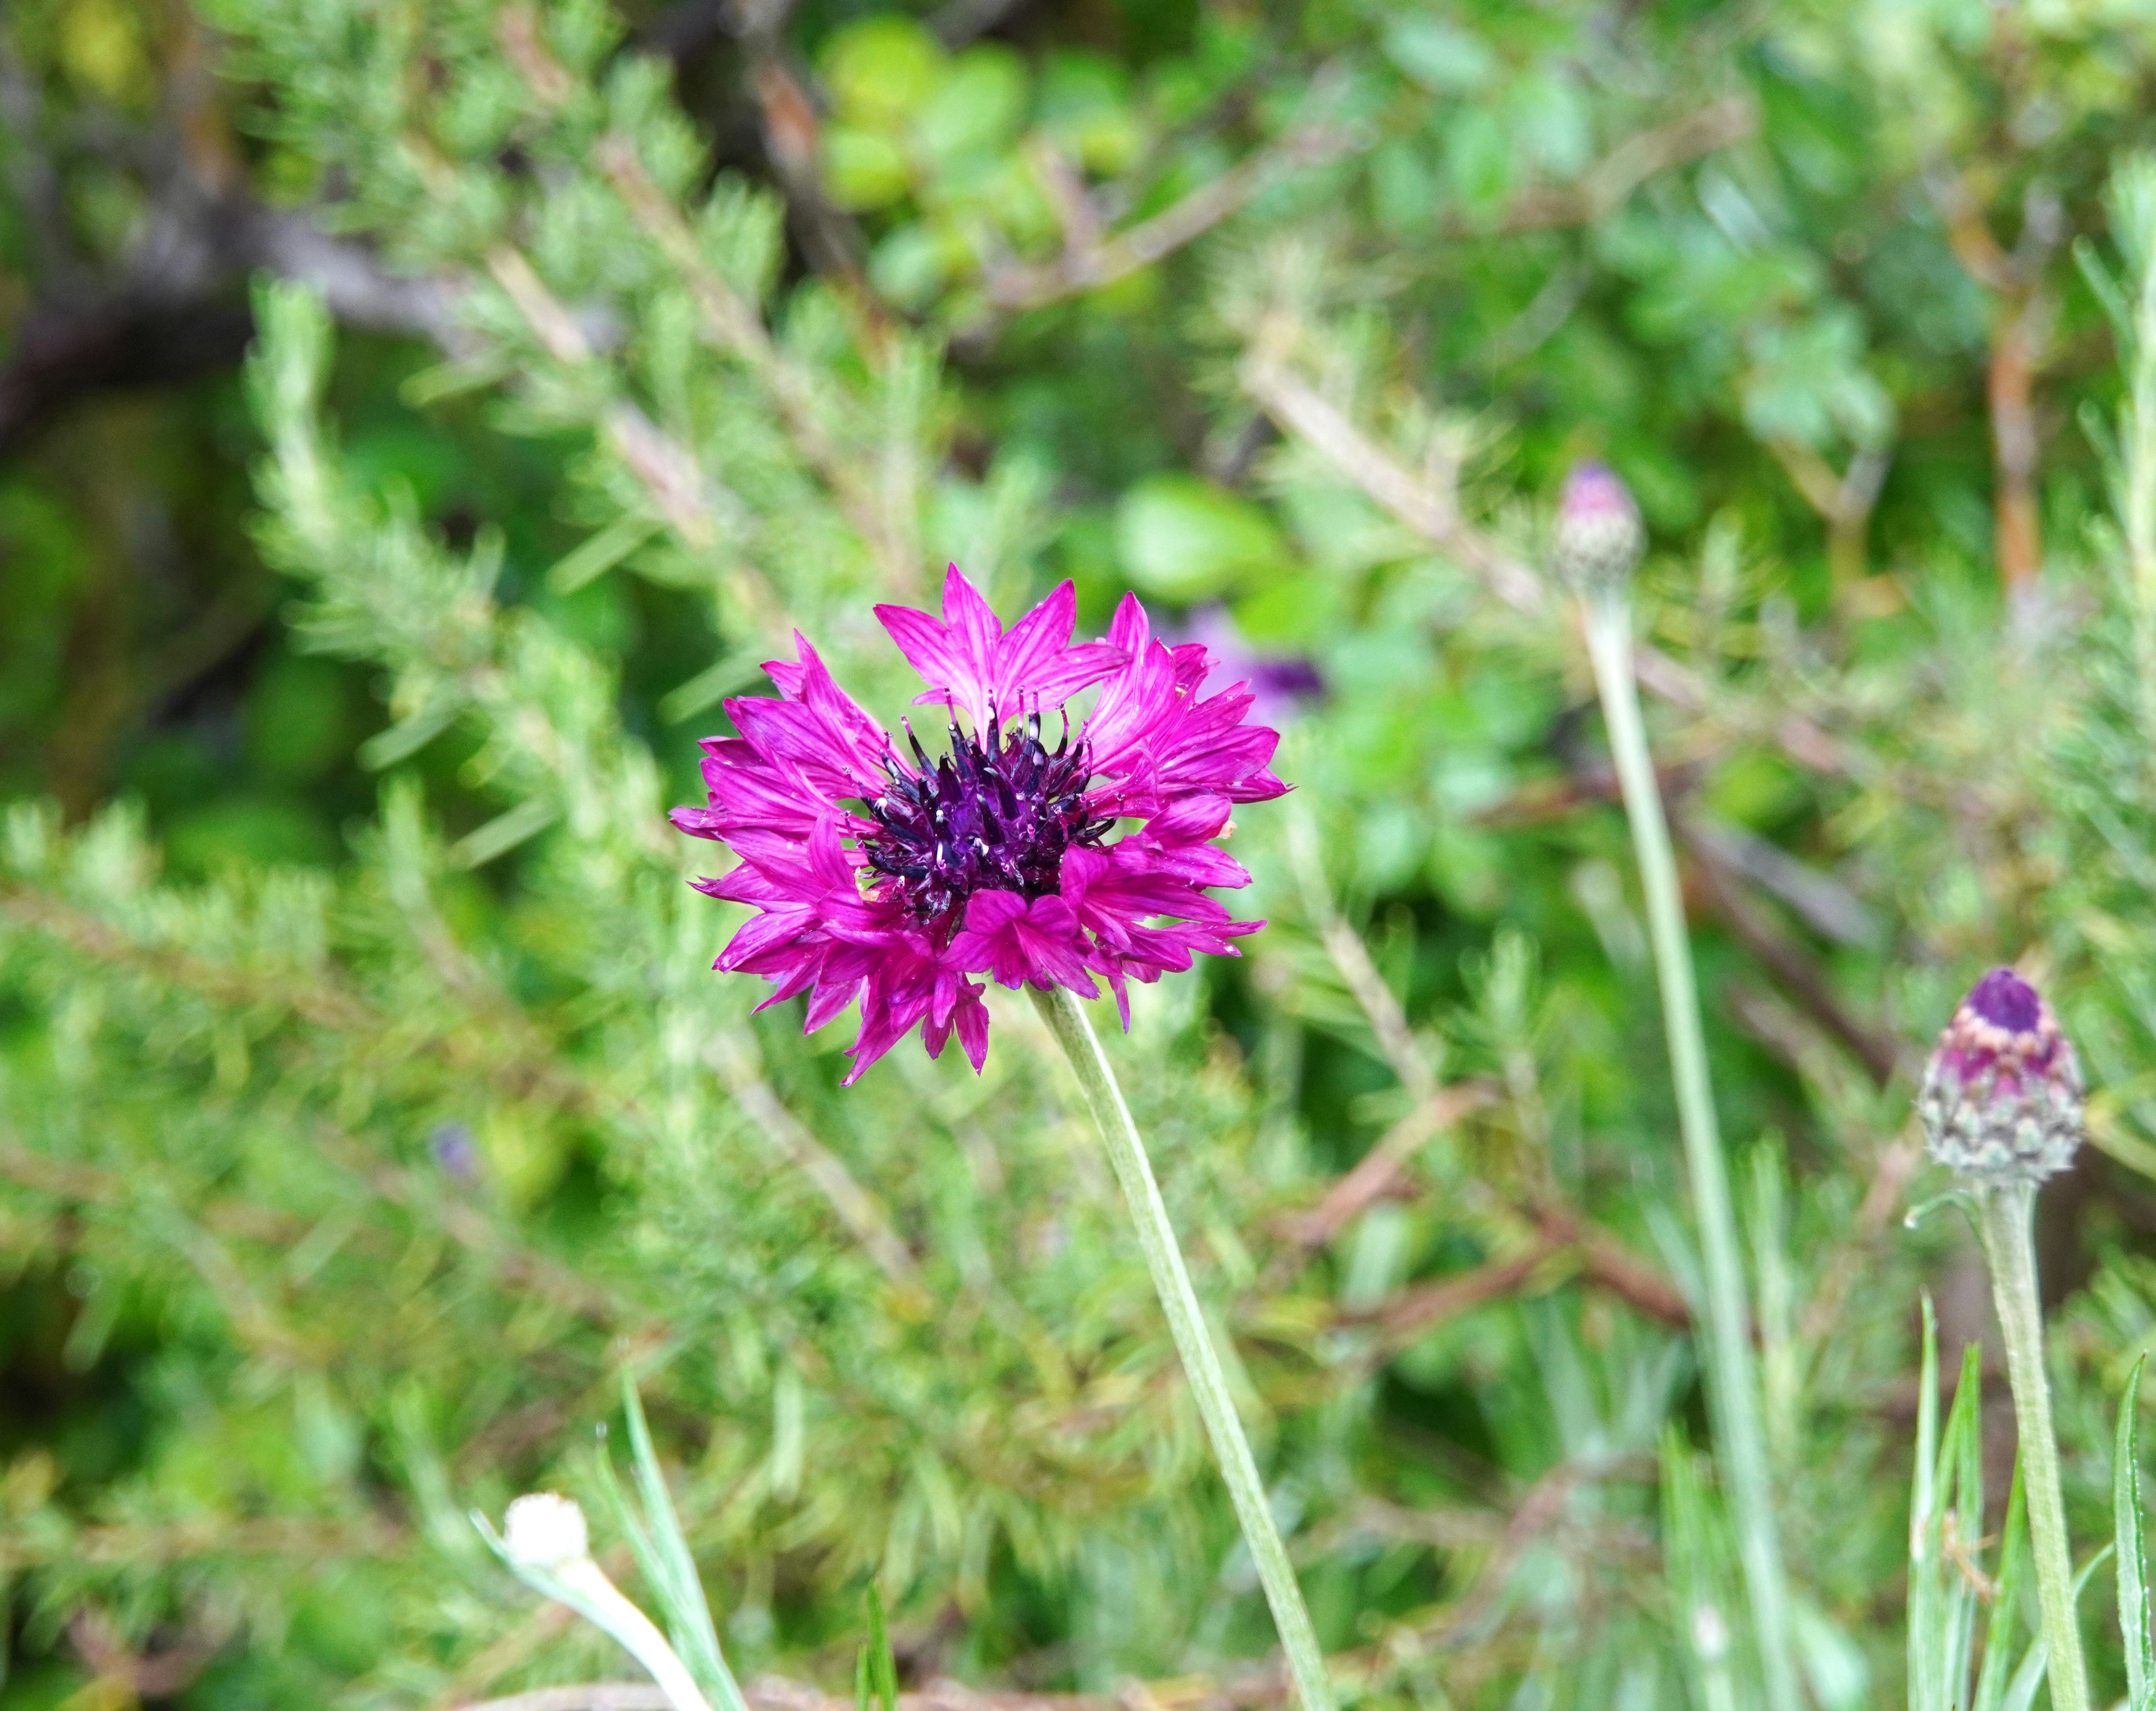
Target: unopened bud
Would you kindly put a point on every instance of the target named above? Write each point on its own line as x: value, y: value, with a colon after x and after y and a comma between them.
x: 1598, y: 537
x: 545, y: 1531
x: 2002, y: 1096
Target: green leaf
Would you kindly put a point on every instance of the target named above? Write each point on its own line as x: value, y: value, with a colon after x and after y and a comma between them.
x: 2021, y: 1692
x: 1438, y: 56
x: 504, y: 832
x: 863, y: 169
x: 1184, y: 538
x: 977, y: 110
x: 601, y: 552
x: 881, y: 71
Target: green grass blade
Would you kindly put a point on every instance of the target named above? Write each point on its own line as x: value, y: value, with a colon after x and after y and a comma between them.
x: 1693, y: 1564
x: 662, y: 1556
x: 1961, y: 1487
x: 2133, y: 1562
x: 1991, y: 1681
x: 1925, y: 1615
x: 879, y: 1671
x: 2021, y: 1692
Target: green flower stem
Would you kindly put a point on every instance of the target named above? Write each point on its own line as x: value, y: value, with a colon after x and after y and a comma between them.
x: 2005, y: 1214
x: 1732, y: 1384
x: 1194, y: 1342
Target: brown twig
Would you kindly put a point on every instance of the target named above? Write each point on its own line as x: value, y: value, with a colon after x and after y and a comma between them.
x: 118, y: 1670
x: 1561, y: 1240
x: 1610, y: 180
x: 300, y: 1537
x: 1880, y: 1054
x: 682, y: 493
x: 733, y: 325
x: 770, y: 1693
x: 1844, y: 502
x: 831, y: 240
x: 1822, y: 902
x: 319, y: 1000
x: 2021, y: 328
x: 1544, y: 802
x: 1605, y: 1261
x: 1089, y: 261
x: 1298, y: 406
x: 1407, y: 1315
x: 1301, y: 408
x: 2018, y: 337
x: 1897, y: 1163
x: 1379, y: 1175
x: 1537, y: 1514
x: 734, y: 1055
x: 1351, y: 958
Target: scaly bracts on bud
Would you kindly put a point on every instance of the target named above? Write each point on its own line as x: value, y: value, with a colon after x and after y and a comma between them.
x: 2002, y: 1096
x: 1598, y: 537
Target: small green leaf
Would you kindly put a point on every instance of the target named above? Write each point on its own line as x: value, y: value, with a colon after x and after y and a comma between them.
x: 977, y: 110
x: 863, y: 170
x: 601, y: 552
x: 1184, y: 538
x: 1438, y: 56
x: 881, y: 71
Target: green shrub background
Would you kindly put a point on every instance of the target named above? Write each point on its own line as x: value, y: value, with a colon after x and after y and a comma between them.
x: 367, y: 1105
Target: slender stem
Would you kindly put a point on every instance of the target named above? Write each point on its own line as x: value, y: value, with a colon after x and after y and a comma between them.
x: 2006, y: 1212
x: 582, y: 1586
x: 1732, y: 1385
x: 2137, y: 499
x: 1194, y: 1342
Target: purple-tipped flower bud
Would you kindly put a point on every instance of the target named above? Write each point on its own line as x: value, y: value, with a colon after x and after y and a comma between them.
x: 1599, y: 536
x: 2002, y: 1096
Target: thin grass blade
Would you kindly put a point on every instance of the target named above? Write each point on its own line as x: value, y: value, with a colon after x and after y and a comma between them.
x: 1999, y: 1634
x: 2132, y: 1557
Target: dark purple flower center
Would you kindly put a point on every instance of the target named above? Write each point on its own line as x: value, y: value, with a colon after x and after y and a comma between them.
x: 996, y: 816
x: 2005, y: 1000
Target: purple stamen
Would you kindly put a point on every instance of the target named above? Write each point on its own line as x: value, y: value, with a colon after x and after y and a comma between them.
x: 994, y: 817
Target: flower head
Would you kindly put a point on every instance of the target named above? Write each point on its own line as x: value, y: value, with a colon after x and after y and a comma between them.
x: 546, y: 1531
x: 1599, y: 536
x: 2002, y: 1096
x: 895, y: 879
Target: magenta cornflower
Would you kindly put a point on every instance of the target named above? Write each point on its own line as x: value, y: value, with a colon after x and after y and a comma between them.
x: 893, y: 879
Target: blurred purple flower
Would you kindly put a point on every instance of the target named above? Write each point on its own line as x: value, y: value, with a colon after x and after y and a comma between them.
x: 1278, y: 684
x: 1599, y: 536
x: 456, y: 1151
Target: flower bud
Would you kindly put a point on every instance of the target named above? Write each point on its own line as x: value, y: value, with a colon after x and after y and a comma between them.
x: 545, y: 1531
x: 2002, y: 1096
x: 1598, y: 537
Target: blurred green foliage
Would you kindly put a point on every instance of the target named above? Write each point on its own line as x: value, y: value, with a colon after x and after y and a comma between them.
x: 367, y: 1105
